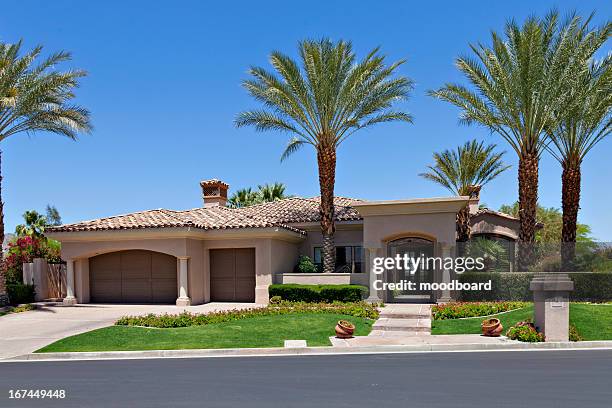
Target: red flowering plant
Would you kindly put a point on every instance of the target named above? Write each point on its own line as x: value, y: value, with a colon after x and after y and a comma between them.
x: 23, y: 250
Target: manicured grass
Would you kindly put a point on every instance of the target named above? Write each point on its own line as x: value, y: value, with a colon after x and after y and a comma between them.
x: 472, y: 325
x: 260, y: 331
x: 594, y: 322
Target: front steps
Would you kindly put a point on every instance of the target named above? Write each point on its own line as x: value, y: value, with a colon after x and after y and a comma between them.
x: 403, y: 319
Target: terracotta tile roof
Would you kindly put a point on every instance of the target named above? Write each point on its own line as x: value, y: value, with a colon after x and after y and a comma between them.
x: 279, y: 213
x: 301, y: 210
x: 482, y: 211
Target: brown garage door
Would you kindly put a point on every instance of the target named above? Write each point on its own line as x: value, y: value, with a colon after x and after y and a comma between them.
x: 133, y: 277
x: 232, y: 275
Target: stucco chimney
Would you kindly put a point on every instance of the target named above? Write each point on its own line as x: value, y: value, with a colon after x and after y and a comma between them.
x: 474, y: 192
x: 214, y: 192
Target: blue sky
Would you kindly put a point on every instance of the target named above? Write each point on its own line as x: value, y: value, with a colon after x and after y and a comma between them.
x: 164, y: 87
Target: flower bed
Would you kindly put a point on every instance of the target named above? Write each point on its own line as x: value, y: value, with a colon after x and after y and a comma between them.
x: 186, y: 319
x: 473, y: 309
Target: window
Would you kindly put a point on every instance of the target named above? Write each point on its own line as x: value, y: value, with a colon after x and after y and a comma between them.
x: 349, y: 259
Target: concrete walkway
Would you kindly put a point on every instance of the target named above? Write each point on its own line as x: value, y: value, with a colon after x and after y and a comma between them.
x: 410, y: 325
x: 408, y: 319
x: 23, y: 333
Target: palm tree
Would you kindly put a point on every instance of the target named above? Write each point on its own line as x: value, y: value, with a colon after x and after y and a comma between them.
x: 518, y: 82
x: 35, y: 97
x: 272, y: 192
x: 34, y: 226
x: 265, y: 193
x: 243, y: 198
x: 585, y: 123
x: 321, y: 104
x: 463, y: 172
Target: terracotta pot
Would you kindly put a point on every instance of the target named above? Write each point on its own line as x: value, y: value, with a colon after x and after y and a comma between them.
x: 491, y: 327
x: 344, y: 329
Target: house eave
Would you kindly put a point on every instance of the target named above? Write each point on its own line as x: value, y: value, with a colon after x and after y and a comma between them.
x: 183, y: 232
x: 414, y: 206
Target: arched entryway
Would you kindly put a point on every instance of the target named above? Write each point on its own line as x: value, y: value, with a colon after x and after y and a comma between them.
x: 133, y: 276
x: 415, y: 248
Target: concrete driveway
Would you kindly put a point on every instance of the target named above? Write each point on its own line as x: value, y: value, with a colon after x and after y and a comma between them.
x: 23, y: 333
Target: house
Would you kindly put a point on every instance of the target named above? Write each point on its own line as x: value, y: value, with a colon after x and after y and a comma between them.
x: 217, y: 253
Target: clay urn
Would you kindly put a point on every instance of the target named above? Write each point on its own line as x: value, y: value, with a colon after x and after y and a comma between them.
x: 491, y: 327
x: 344, y: 329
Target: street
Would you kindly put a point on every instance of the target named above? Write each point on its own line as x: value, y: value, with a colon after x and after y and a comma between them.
x: 497, y: 379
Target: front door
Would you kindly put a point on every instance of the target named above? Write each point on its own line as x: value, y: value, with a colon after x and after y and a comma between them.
x: 415, y: 248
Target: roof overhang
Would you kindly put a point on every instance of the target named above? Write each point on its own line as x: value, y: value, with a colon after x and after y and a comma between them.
x: 189, y: 232
x: 414, y: 206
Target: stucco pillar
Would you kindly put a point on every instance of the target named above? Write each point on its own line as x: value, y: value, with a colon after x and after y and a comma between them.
x: 551, y: 304
x: 70, y: 298
x: 374, y: 296
x: 445, y: 296
x: 40, y: 278
x: 183, y: 281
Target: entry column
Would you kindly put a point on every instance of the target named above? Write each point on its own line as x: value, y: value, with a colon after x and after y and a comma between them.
x: 183, y: 299
x: 70, y: 299
x: 445, y: 295
x: 374, y: 297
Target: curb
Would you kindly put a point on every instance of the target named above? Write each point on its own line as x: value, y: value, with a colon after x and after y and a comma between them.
x: 273, y: 352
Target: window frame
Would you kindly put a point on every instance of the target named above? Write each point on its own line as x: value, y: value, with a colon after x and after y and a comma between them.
x: 354, y: 260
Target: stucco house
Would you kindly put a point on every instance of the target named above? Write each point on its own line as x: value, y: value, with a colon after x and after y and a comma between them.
x: 217, y: 253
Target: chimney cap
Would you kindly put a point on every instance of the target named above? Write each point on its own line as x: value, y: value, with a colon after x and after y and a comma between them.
x: 213, y: 182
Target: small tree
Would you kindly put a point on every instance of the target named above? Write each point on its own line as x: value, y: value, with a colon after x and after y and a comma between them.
x: 462, y: 172
x: 53, y: 216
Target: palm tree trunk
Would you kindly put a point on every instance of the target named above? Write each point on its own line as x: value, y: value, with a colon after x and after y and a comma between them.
x: 463, y: 224
x: 570, y: 199
x: 3, y: 295
x: 528, y: 203
x: 326, y: 158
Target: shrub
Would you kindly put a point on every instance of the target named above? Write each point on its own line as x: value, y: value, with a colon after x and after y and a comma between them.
x: 24, y: 249
x: 591, y: 287
x: 574, y: 334
x: 305, y: 265
x: 20, y: 293
x: 318, y: 293
x: 511, y: 286
x: 22, y: 308
x: 523, y: 332
x: 514, y: 286
x: 476, y: 309
x: 275, y: 299
x: 185, y: 319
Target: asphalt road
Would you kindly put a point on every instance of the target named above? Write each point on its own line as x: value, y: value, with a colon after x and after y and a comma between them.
x: 493, y: 379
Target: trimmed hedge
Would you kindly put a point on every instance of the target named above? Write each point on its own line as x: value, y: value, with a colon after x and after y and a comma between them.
x: 459, y: 310
x: 20, y: 293
x: 186, y: 319
x: 318, y: 293
x: 514, y: 286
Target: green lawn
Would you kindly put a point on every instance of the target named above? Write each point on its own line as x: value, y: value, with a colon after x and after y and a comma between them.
x: 594, y: 322
x: 472, y: 325
x: 260, y: 331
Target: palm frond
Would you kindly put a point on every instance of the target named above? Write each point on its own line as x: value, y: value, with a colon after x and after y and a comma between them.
x: 327, y: 96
